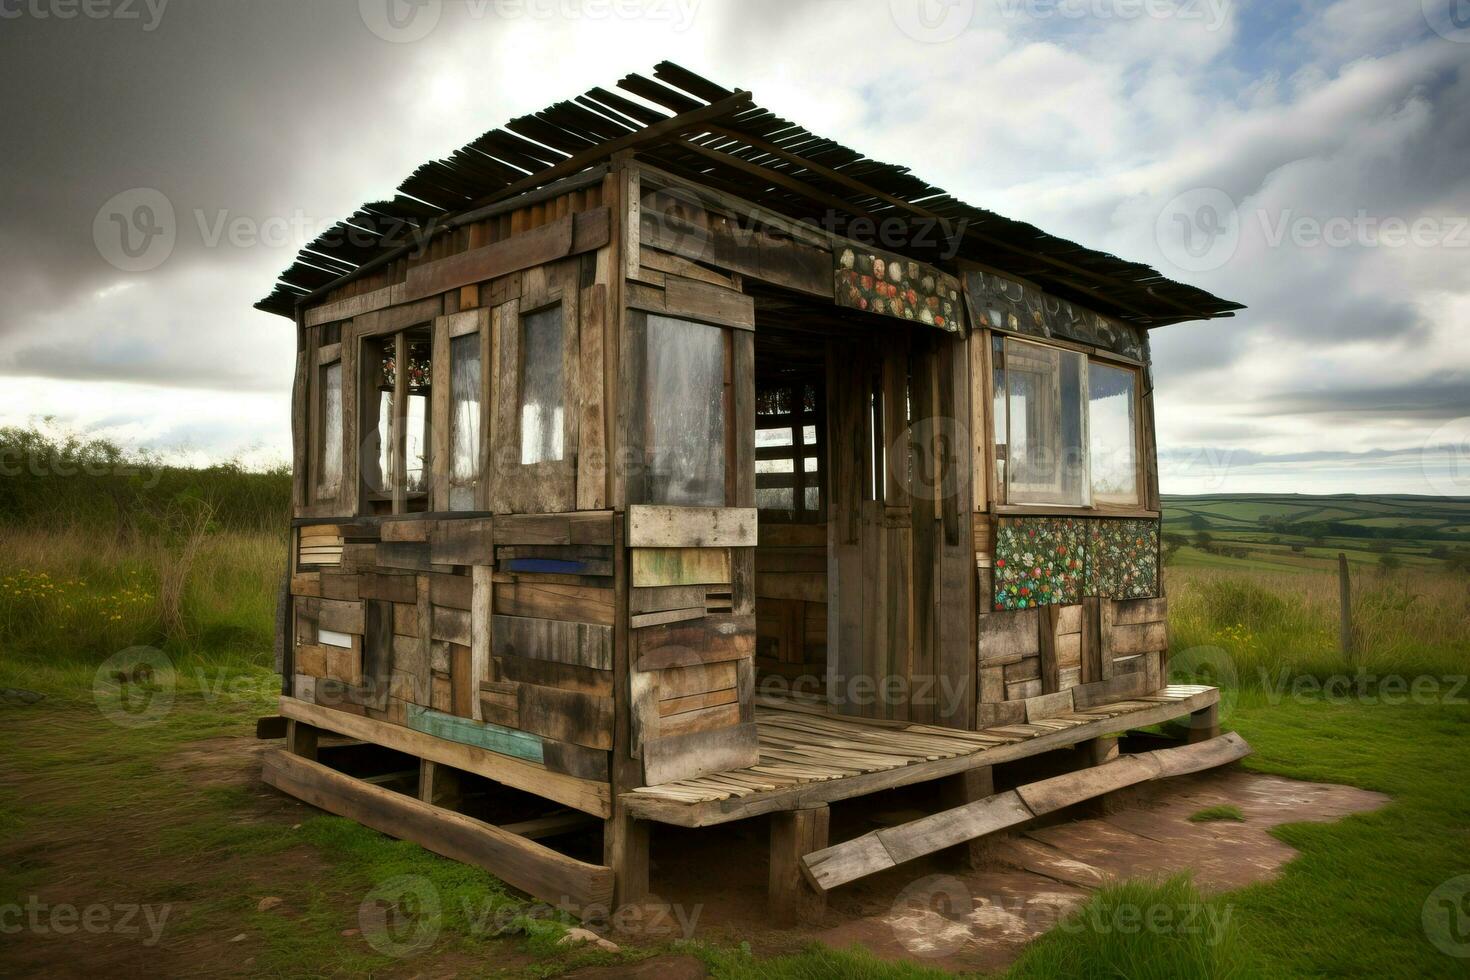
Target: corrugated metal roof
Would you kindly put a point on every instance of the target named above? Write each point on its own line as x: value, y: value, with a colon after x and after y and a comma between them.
x: 697, y: 129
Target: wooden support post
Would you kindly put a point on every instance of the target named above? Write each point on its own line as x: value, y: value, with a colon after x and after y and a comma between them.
x: 1099, y: 752
x: 1345, y: 608
x: 301, y: 739
x: 625, y: 850
x: 440, y: 785
x: 795, y: 833
x: 967, y: 787
x: 1204, y: 724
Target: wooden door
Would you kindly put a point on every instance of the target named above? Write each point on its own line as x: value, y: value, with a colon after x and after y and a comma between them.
x: 900, y: 596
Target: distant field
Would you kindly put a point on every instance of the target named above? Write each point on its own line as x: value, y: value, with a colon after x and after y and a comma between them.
x: 1285, y: 532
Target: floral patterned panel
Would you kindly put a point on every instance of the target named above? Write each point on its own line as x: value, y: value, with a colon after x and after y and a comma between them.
x: 1038, y: 561
x: 1122, y: 559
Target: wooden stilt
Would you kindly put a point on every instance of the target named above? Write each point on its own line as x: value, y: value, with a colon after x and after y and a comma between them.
x: 302, y: 739
x: 1204, y: 724
x: 967, y: 787
x: 625, y: 850
x: 795, y: 833
x: 1098, y: 752
x: 440, y: 785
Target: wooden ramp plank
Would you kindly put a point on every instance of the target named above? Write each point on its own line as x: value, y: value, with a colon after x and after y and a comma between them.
x: 880, y: 850
x: 521, y: 862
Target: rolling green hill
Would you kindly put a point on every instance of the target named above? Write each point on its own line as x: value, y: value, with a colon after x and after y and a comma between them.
x: 1301, y: 531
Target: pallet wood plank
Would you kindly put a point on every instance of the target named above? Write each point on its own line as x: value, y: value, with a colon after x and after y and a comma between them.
x: 585, y: 795
x: 524, y: 864
x: 660, y: 526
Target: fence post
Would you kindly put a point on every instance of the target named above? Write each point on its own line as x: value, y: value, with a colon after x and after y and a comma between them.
x: 1345, y: 606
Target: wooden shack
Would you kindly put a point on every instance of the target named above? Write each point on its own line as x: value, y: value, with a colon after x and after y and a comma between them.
x: 657, y: 460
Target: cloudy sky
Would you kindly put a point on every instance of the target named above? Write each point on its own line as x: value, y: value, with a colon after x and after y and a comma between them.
x: 1309, y: 159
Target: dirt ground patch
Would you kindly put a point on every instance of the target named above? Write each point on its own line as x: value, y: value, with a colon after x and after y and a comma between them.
x: 713, y: 880
x: 932, y: 912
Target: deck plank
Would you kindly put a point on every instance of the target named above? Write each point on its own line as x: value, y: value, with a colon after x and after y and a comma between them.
x: 808, y: 757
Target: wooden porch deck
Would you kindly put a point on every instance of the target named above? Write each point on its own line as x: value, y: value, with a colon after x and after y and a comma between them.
x: 808, y: 757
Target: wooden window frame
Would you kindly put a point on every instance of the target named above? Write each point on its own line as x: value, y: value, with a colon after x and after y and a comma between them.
x: 549, y: 486
x: 798, y: 452
x: 637, y: 434
x: 397, y: 495
x: 447, y: 329
x: 1143, y: 445
x: 323, y: 357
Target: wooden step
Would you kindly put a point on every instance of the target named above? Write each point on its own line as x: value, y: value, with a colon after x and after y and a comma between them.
x: 891, y: 846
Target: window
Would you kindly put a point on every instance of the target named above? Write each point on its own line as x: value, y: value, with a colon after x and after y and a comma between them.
x: 685, y: 429
x: 394, y: 462
x: 1112, y: 430
x: 542, y: 387
x: 1066, y: 426
x: 788, y: 472
x: 329, y: 442
x: 464, y: 421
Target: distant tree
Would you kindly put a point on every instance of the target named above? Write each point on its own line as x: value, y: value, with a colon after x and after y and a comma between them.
x: 1381, y: 547
x: 1198, y: 522
x: 1390, y: 562
x: 1203, y: 540
x: 1439, y: 551
x: 1298, y: 548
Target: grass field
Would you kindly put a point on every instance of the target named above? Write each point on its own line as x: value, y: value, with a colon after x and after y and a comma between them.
x: 190, y: 565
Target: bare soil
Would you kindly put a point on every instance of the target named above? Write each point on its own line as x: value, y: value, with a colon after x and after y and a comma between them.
x: 711, y: 883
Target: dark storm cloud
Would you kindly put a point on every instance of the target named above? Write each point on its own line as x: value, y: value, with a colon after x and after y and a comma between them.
x: 1436, y: 397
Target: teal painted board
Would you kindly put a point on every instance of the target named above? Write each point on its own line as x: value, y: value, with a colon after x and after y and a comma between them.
x: 483, y: 735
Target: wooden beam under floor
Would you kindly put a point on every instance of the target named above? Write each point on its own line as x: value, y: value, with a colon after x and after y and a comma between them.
x: 522, y: 863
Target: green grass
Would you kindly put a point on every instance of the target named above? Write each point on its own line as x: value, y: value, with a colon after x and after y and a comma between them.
x: 1145, y: 931
x: 1211, y: 814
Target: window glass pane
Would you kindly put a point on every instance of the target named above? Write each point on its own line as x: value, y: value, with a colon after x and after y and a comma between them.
x: 543, y: 386
x: 998, y: 409
x: 329, y: 460
x: 415, y: 446
x: 772, y: 437
x: 416, y: 442
x: 1045, y: 459
x: 377, y: 446
x: 464, y: 420
x: 777, y: 498
x: 1112, y: 431
x: 685, y: 437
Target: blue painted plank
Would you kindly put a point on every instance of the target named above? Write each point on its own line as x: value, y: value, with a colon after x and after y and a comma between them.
x: 481, y: 734
x: 555, y: 566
